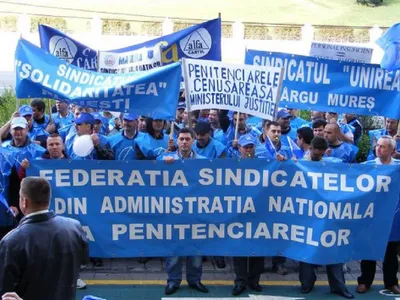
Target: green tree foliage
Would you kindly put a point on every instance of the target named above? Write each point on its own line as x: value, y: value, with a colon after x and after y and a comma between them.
x: 8, y: 105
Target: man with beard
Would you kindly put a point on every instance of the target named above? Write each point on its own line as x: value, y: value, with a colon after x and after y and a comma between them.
x: 124, y: 143
x: 205, y: 145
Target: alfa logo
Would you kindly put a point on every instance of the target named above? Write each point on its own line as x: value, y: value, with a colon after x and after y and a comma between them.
x: 197, y: 44
x: 63, y: 48
x: 109, y: 60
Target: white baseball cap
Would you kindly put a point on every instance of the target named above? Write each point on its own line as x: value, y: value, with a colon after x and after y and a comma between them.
x: 19, y: 122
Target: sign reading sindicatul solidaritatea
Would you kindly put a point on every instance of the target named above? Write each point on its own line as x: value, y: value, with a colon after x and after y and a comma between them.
x: 314, y: 212
x: 329, y: 85
x: 42, y: 75
x: 248, y: 89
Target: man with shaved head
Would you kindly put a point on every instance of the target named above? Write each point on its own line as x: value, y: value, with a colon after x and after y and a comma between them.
x: 344, y: 151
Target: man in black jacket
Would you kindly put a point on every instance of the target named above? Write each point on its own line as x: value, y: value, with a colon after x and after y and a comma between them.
x: 41, y: 258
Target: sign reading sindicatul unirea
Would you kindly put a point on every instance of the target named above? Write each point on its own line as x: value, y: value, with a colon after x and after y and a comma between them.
x: 248, y: 89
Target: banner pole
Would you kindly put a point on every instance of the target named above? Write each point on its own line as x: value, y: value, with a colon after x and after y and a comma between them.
x: 187, y: 93
x: 50, y: 116
x: 278, y: 94
x: 237, y: 125
x: 171, y: 134
x: 398, y: 128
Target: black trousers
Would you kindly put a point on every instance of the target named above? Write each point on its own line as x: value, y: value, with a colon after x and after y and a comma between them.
x: 278, y: 260
x: 390, y: 268
x: 335, y: 274
x: 248, y: 270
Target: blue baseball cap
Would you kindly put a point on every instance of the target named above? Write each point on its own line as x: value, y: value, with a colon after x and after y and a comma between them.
x: 84, y: 118
x: 25, y: 110
x: 98, y: 117
x: 181, y: 105
x: 130, y: 116
x: 283, y: 114
x: 247, y: 139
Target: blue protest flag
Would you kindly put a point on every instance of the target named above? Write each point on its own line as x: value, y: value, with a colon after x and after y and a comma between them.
x: 327, y: 85
x: 316, y: 212
x: 153, y: 93
x: 198, y: 41
x: 390, y: 44
x: 64, y: 47
x: 5, y: 203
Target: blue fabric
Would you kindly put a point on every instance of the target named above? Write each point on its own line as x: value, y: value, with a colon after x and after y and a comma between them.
x: 346, y: 152
x: 253, y: 121
x: 44, y: 124
x: 292, y: 134
x: 328, y: 85
x: 61, y: 122
x: 191, y: 42
x: 232, y: 207
x: 37, y: 132
x: 287, y: 149
x: 30, y: 152
x: 220, y: 136
x: 124, y: 148
x: 297, y: 122
x: 176, y: 156
x: 395, y: 231
x: 174, y: 47
x: 6, y: 163
x: 230, y: 132
x: 150, y: 147
x: 390, y: 44
x: 65, y: 47
x: 152, y: 93
x: 92, y: 156
x: 214, y: 149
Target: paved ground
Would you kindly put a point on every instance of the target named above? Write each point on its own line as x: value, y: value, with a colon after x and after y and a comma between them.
x: 123, y: 279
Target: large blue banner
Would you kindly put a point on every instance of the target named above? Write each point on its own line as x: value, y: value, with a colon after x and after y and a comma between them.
x: 308, y: 211
x: 152, y: 93
x: 329, y: 85
x: 66, y: 48
x: 198, y: 41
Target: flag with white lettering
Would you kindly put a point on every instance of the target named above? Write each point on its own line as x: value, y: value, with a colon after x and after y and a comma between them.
x: 327, y: 85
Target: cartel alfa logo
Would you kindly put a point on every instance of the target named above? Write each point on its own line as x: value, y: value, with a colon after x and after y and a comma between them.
x: 197, y: 44
x: 63, y: 48
x: 109, y: 60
